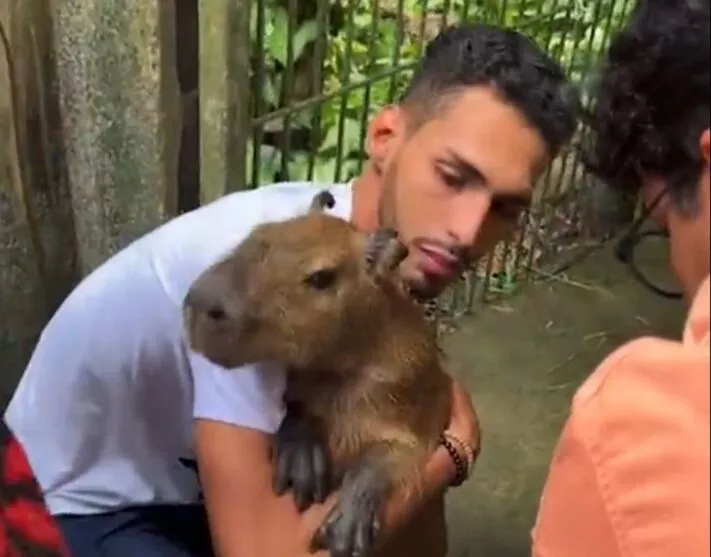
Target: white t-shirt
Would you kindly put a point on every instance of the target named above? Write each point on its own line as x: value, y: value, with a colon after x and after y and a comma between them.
x: 105, y: 408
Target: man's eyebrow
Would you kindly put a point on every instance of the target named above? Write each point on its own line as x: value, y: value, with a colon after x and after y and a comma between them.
x: 468, y: 171
x: 472, y: 174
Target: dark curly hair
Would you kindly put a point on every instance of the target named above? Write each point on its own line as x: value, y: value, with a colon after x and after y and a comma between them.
x: 652, y: 99
x: 462, y: 56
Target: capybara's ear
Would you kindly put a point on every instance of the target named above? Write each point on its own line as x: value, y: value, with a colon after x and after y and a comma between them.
x: 322, y: 200
x: 384, y: 252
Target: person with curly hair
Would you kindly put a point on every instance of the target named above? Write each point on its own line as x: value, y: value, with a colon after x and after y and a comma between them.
x: 630, y: 473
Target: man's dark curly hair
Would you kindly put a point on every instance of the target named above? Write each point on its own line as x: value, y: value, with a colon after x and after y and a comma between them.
x: 463, y: 56
x: 652, y: 99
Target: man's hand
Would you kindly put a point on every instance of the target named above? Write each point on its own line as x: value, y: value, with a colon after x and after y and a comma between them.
x: 248, y: 518
x: 301, y: 461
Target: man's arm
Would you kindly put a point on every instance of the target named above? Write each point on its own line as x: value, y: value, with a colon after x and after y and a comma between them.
x: 232, y: 440
x: 246, y: 517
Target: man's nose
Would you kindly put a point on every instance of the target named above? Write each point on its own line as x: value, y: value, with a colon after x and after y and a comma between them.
x: 467, y: 216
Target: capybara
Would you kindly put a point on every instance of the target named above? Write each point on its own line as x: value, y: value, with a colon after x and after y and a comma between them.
x: 325, y: 299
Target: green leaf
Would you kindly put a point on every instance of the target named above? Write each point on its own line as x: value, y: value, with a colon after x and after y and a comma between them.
x: 350, y: 139
x: 298, y: 166
x: 306, y: 34
x: 352, y: 131
x: 302, y: 119
x: 351, y: 168
x: 269, y: 161
x: 331, y: 140
x: 325, y: 170
x: 277, y: 41
x: 269, y: 92
x: 362, y: 20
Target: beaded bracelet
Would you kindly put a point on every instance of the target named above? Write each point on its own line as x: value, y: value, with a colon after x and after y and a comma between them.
x: 460, y: 466
x: 471, y: 452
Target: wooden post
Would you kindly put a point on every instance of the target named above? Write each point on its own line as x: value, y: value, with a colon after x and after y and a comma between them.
x: 120, y: 112
x: 224, y: 96
x: 23, y: 299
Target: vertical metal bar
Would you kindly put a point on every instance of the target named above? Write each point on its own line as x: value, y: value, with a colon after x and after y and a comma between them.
x: 288, y: 88
x: 257, y: 98
x: 345, y: 80
x: 546, y: 182
x: 502, y: 13
x: 421, y: 39
x: 372, y: 55
x: 465, y: 10
x: 446, y: 8
x: 398, y: 46
x: 320, y: 55
x: 556, y: 190
x: 588, y: 63
x: 519, y: 235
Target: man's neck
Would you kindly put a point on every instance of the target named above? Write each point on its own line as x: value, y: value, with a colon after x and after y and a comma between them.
x: 365, y: 200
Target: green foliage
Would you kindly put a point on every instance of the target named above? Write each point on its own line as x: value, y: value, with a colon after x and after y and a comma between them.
x: 372, y: 54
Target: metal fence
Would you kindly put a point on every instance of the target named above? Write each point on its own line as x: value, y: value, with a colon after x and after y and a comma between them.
x: 321, y: 69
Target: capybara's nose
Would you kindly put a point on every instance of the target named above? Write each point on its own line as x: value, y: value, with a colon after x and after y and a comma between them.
x: 207, y: 297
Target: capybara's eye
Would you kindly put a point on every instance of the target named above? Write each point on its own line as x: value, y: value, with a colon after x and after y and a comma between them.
x: 216, y: 313
x: 321, y: 279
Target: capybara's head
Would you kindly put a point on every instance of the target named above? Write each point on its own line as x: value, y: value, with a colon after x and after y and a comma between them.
x: 306, y: 292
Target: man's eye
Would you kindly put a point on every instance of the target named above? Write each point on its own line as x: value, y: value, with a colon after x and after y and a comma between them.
x: 508, y: 211
x: 453, y: 180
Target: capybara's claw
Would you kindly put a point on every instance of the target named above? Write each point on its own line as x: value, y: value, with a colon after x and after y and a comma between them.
x: 301, y: 463
x: 352, y: 527
x: 348, y: 532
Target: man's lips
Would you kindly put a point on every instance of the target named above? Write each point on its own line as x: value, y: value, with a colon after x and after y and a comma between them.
x: 438, y: 261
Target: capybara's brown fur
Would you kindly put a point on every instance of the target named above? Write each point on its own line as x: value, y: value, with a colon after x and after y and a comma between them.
x: 324, y: 299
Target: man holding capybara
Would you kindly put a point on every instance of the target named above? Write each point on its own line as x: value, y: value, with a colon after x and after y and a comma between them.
x: 113, y: 408
x: 630, y: 475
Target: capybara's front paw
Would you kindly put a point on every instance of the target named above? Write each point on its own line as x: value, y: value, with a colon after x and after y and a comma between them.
x: 351, y: 528
x: 301, y: 462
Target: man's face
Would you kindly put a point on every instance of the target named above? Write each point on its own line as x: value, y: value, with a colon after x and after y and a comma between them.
x: 688, y: 227
x: 454, y: 186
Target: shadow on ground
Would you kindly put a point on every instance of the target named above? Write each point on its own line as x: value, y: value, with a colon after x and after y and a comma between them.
x: 522, y: 360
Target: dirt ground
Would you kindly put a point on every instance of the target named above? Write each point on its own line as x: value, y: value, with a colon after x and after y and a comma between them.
x: 522, y: 360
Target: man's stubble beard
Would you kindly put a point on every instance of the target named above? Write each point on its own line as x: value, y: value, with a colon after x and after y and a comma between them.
x: 386, y: 203
x: 388, y: 218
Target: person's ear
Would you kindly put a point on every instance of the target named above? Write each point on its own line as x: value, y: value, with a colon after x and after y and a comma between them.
x: 384, y: 132
x: 704, y: 141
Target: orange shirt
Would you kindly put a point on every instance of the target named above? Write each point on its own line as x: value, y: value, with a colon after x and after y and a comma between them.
x: 630, y: 473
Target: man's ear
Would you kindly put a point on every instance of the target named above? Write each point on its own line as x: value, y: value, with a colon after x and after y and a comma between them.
x: 384, y: 132
x: 704, y: 145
